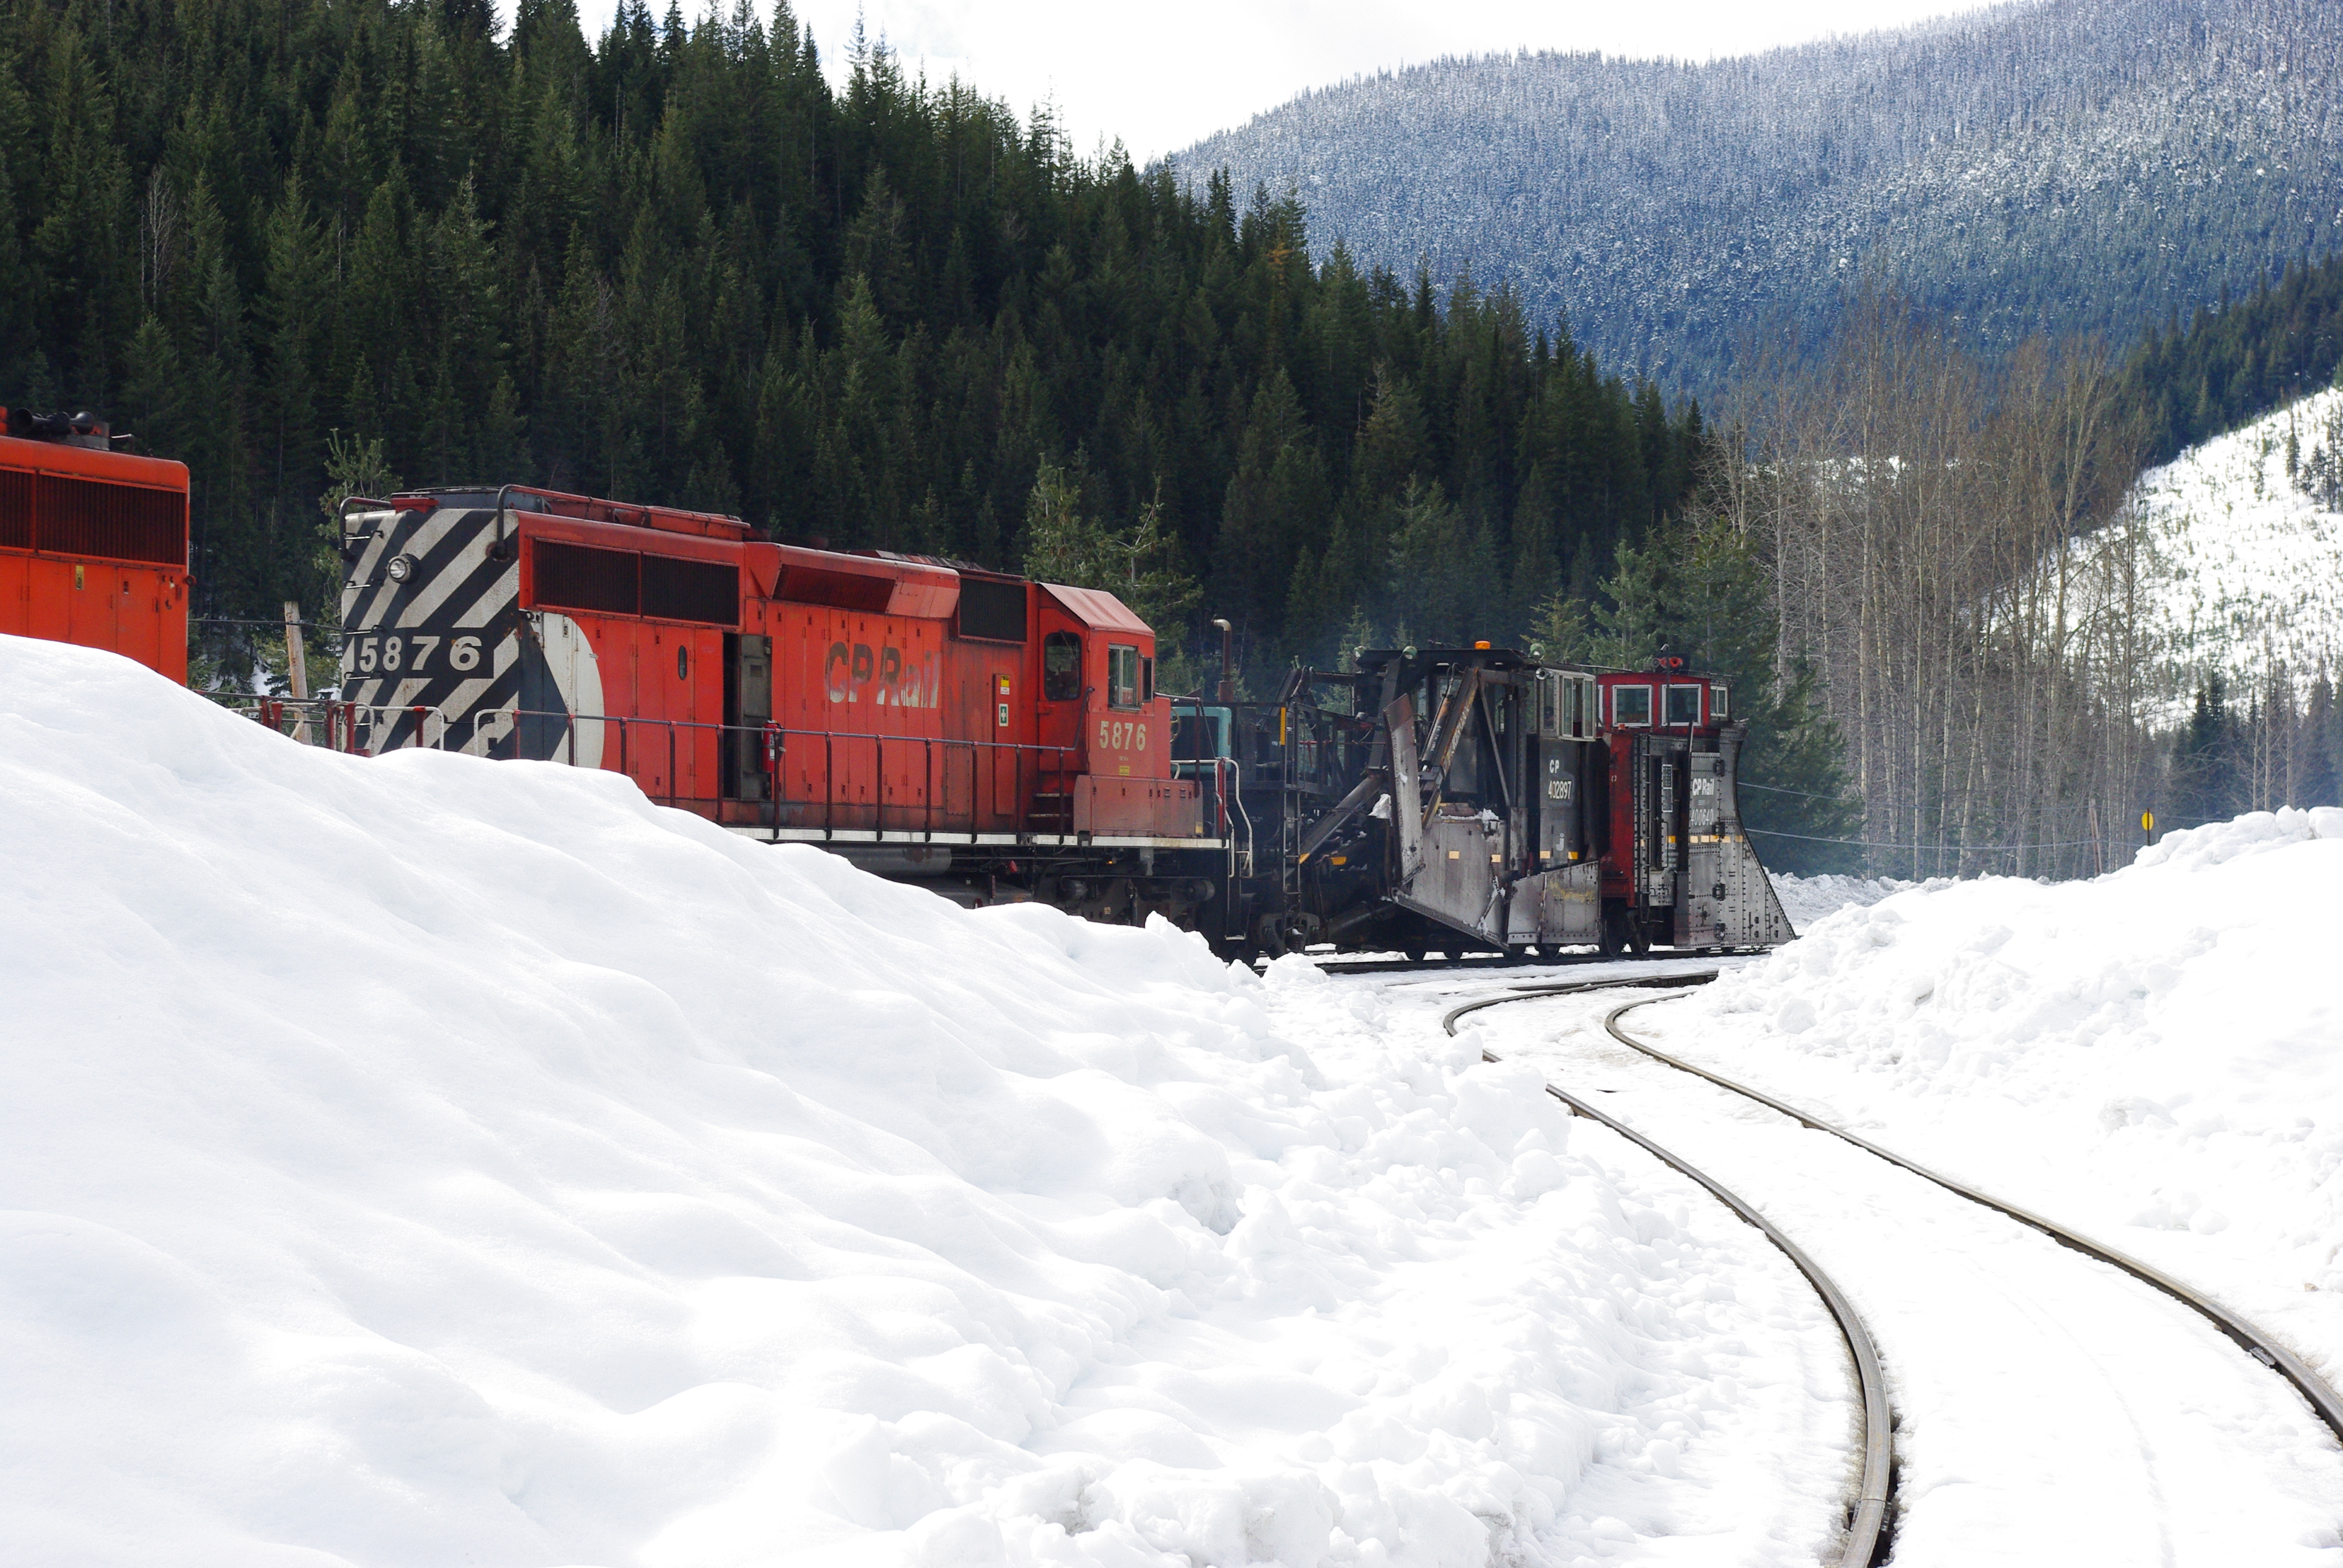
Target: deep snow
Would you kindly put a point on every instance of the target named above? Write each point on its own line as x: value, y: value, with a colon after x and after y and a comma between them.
x: 1807, y: 899
x: 2151, y: 1056
x: 424, y: 1161
x: 2050, y: 1410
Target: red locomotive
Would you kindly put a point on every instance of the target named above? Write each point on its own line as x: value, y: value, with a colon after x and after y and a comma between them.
x: 999, y: 739
x: 920, y: 716
x: 92, y: 540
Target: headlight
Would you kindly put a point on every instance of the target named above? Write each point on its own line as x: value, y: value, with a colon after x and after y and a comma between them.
x: 400, y: 568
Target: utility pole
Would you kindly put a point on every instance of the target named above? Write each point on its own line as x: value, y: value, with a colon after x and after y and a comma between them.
x: 297, y: 669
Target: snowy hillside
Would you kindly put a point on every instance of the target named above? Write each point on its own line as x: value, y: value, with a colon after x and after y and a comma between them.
x: 428, y: 1160
x: 2066, y: 165
x: 2245, y: 550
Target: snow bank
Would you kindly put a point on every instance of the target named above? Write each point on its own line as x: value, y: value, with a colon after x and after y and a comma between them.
x: 2151, y: 1055
x: 1807, y: 899
x: 426, y: 1161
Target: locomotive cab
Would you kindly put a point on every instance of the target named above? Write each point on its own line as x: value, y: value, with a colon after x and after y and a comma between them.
x: 1099, y: 716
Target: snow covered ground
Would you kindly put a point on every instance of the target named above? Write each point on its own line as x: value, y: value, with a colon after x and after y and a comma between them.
x: 1807, y: 899
x: 426, y: 1161
x: 2150, y: 1056
x: 2245, y: 563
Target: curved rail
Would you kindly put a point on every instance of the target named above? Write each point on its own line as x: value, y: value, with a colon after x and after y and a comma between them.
x: 1867, y: 1514
x: 2248, y: 1338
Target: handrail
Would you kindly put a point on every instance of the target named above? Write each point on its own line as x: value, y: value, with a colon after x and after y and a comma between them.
x: 357, y: 728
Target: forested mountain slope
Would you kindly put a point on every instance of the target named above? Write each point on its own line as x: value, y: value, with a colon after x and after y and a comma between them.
x: 2094, y: 164
x: 674, y: 265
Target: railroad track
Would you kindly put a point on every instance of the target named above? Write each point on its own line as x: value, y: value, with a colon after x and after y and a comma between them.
x: 1340, y: 964
x: 1869, y: 1514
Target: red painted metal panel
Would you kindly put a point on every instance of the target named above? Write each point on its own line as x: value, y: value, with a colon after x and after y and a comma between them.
x: 93, y: 550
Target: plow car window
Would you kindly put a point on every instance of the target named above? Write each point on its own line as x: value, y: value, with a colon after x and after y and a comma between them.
x: 1061, y: 667
x: 1122, y: 675
x: 1631, y: 705
x: 1684, y: 705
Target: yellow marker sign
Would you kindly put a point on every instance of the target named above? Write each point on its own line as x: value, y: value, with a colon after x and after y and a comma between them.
x: 2147, y: 821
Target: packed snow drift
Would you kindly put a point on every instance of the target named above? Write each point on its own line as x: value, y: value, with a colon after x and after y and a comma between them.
x: 2154, y: 1056
x: 1807, y: 899
x: 424, y: 1161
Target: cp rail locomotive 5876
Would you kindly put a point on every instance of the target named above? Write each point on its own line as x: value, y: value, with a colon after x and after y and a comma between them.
x: 1001, y: 739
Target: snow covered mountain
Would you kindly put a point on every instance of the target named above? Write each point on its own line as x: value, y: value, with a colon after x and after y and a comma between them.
x: 2063, y: 165
x: 2243, y: 568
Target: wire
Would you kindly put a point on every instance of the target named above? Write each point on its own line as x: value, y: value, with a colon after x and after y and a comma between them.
x: 1924, y: 849
x: 1802, y: 794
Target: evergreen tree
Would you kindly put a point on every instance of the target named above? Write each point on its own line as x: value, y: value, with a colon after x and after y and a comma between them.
x: 1138, y: 565
x: 1698, y: 592
x: 2204, y: 777
x: 673, y: 263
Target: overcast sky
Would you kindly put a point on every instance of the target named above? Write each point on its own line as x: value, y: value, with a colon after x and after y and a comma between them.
x: 1163, y: 77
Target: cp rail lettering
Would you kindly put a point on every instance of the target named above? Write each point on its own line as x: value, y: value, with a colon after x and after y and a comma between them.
x: 851, y: 667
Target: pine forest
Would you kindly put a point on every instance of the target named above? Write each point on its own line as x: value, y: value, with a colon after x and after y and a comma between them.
x: 674, y: 265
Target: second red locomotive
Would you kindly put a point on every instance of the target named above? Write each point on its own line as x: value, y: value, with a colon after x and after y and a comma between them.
x: 92, y: 540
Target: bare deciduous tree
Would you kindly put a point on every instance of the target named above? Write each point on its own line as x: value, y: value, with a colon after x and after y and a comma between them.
x: 1954, y: 548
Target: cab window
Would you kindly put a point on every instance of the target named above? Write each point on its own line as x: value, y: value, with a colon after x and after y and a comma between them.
x: 1122, y: 675
x: 1720, y: 704
x: 1062, y: 668
x: 1631, y: 705
x: 1684, y: 705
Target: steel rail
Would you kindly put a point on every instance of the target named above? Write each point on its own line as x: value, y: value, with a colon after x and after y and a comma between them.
x: 1866, y: 1520
x: 1483, y: 960
x: 2253, y: 1340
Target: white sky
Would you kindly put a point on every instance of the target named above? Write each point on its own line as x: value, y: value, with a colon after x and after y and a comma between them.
x: 1161, y: 77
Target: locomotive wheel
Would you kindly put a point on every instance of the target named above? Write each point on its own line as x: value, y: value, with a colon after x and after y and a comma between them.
x: 1269, y: 937
x: 1612, y: 938
x: 1639, y: 936
x: 1414, y: 955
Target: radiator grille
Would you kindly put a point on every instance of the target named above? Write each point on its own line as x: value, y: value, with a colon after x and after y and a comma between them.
x: 841, y: 590
x: 992, y: 610
x: 620, y: 582
x: 573, y: 576
x: 15, y: 510
x: 676, y: 589
x: 120, y: 522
